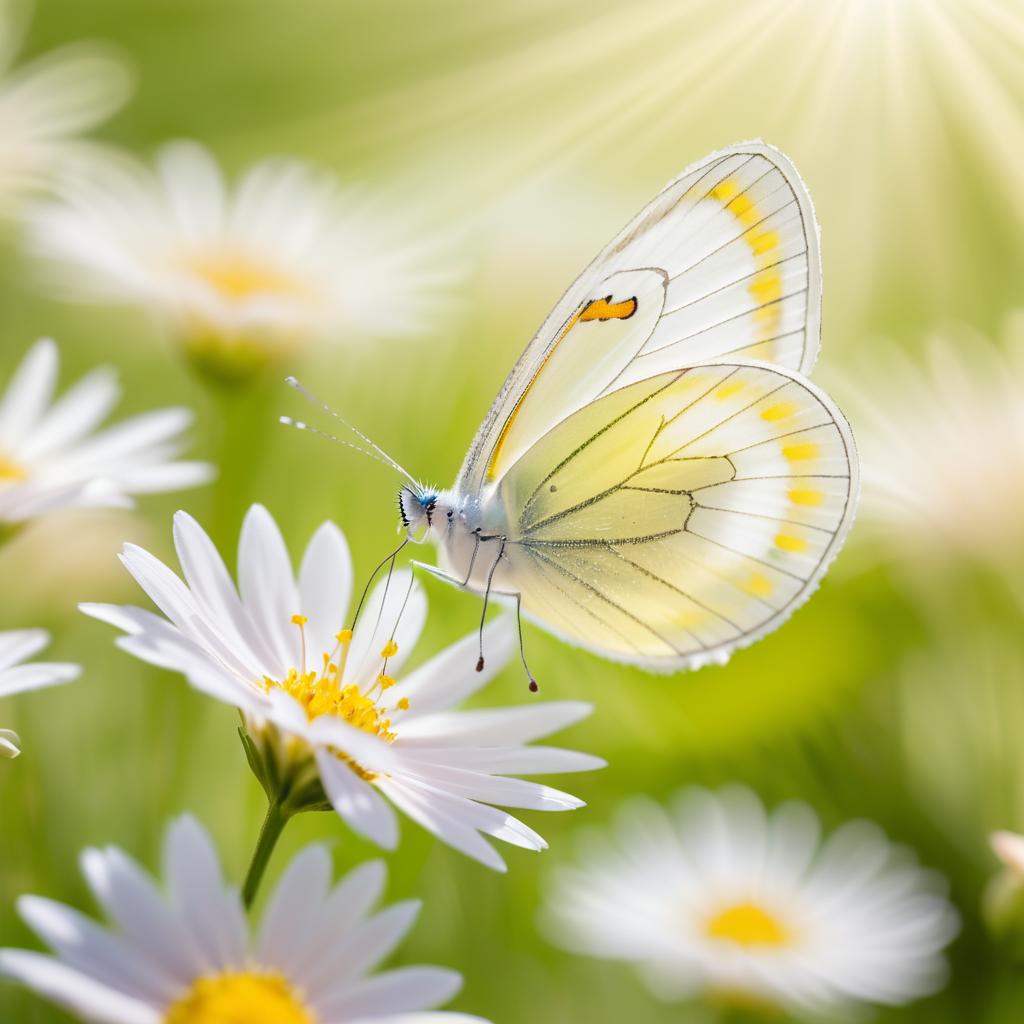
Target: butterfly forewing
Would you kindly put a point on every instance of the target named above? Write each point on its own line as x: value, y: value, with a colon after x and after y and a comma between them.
x: 721, y: 264
x: 682, y: 516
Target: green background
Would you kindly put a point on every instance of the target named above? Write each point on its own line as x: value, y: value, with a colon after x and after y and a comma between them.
x: 532, y: 130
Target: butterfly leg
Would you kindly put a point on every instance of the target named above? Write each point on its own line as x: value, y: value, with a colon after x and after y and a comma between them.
x: 522, y: 649
x: 487, y: 595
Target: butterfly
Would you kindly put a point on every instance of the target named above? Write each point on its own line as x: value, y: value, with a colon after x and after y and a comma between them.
x: 658, y: 481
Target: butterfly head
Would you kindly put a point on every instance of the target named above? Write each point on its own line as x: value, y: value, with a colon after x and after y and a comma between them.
x: 417, y: 507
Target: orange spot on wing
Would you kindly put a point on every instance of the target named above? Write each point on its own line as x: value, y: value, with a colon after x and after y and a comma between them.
x: 605, y: 309
x: 595, y: 309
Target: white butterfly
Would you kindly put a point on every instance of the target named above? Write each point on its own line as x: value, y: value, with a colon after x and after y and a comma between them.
x: 657, y: 480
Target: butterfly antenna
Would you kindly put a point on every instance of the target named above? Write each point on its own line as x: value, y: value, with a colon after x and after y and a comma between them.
x: 381, y: 455
x: 487, y: 596
x: 309, y: 429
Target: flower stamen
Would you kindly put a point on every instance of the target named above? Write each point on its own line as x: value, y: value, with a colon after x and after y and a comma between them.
x: 243, y: 997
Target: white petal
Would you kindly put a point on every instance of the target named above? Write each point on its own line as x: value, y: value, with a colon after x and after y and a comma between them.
x: 215, y: 595
x: 451, y: 676
x: 132, y: 901
x: 17, y: 645
x: 357, y: 953
x: 392, y: 609
x: 86, y: 947
x: 28, y: 393
x: 74, y: 991
x: 492, y: 789
x: 398, y: 991
x: 510, y: 760
x: 498, y: 726
x: 268, y: 587
x: 294, y: 911
x: 162, y: 585
x: 341, y: 919
x: 448, y: 828
x: 325, y: 588
x: 209, y: 909
x: 357, y: 802
x: 36, y: 676
x: 77, y: 412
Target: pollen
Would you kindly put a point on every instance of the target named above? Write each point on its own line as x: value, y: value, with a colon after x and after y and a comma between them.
x: 323, y: 691
x: 11, y: 471
x: 243, y: 997
x: 237, y: 276
x: 389, y: 650
x: 747, y: 924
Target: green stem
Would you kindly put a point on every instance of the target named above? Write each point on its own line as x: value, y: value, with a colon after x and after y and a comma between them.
x: 273, y: 826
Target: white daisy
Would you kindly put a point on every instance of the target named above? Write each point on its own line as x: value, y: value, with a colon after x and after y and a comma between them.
x: 51, y: 456
x: 241, y: 276
x: 721, y: 898
x: 45, y: 104
x: 187, y: 956
x: 16, y: 647
x: 321, y: 701
x: 943, y: 446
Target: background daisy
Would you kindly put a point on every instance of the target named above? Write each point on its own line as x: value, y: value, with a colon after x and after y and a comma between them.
x: 544, y: 126
x: 16, y: 647
x: 329, y: 714
x: 241, y: 274
x: 943, y: 447
x: 46, y: 103
x: 53, y: 457
x: 186, y: 954
x: 717, y: 896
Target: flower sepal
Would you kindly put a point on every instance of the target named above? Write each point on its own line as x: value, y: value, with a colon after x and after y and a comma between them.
x: 285, y: 769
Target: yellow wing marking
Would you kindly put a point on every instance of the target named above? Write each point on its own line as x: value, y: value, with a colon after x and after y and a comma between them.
x: 766, y: 285
x: 596, y: 309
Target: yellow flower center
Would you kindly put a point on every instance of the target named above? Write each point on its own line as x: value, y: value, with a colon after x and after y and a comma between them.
x: 747, y: 924
x: 238, y: 275
x: 11, y: 471
x: 324, y: 692
x: 245, y: 997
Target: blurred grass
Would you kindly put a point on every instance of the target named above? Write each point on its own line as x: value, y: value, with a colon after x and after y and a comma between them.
x: 504, y: 119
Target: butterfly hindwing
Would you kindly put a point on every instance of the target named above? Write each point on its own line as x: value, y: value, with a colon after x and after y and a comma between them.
x: 680, y: 517
x: 723, y: 263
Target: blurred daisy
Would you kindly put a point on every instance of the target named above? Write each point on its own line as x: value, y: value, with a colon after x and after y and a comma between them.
x: 51, y: 456
x: 245, y: 276
x: 186, y: 955
x: 943, y: 447
x: 45, y: 104
x: 16, y: 647
x: 323, y: 704
x: 721, y: 898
